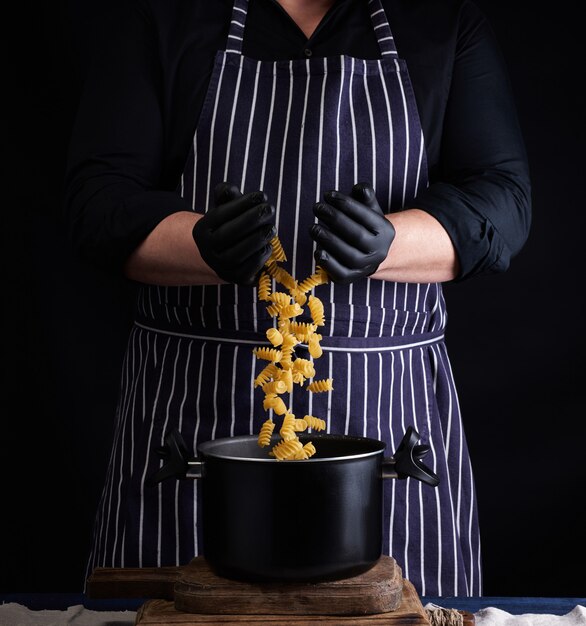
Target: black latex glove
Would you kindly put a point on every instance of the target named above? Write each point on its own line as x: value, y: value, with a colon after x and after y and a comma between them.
x: 234, y: 235
x: 352, y: 235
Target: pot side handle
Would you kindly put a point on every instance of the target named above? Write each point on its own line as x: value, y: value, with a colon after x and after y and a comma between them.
x: 177, y: 460
x: 406, y: 462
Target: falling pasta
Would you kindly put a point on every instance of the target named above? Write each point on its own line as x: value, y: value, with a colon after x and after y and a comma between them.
x: 318, y: 386
x: 284, y: 368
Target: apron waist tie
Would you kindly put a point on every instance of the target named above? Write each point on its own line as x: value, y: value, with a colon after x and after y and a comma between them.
x: 331, y: 344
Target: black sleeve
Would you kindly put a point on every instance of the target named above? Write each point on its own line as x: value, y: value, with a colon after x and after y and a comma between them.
x: 112, y: 192
x: 482, y: 193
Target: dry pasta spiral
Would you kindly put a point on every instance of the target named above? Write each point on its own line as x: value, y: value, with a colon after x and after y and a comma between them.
x: 316, y: 308
x: 315, y: 423
x: 274, y: 336
x: 285, y: 369
x: 307, y: 451
x: 299, y: 296
x: 290, y: 310
x: 288, y: 427
x: 287, y: 377
x: 302, y: 330
x: 280, y: 298
x: 273, y: 309
x: 281, y: 275
x: 264, y: 286
x: 275, y: 386
x: 270, y: 371
x: 268, y: 354
x: 272, y: 401
x: 320, y: 277
x: 314, y: 346
x: 264, y: 436
x: 319, y: 386
x: 305, y: 367
x: 300, y: 425
x: 277, y: 253
x: 287, y: 449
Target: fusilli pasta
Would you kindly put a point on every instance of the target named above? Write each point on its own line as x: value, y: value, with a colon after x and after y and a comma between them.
x: 284, y: 368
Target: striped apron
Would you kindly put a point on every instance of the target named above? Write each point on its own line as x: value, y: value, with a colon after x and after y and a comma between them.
x: 296, y: 129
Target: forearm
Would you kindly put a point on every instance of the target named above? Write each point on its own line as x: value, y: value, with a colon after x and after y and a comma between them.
x: 169, y: 256
x: 421, y: 252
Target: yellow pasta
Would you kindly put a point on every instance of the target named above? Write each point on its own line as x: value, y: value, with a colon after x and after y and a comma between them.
x: 285, y: 369
x: 264, y: 286
x: 268, y: 354
x: 264, y: 436
x: 320, y: 277
x: 318, y: 386
x: 302, y: 330
x: 273, y: 309
x: 299, y: 296
x: 281, y: 275
x: 316, y: 308
x: 286, y: 375
x: 272, y: 401
x: 314, y: 346
x: 305, y: 452
x: 289, y: 341
x: 270, y: 371
x: 305, y: 367
x: 271, y: 266
x: 315, y: 423
x: 274, y: 336
x: 275, y: 386
x: 288, y: 427
x: 287, y: 360
x: 284, y: 326
x: 298, y: 377
x: 277, y: 254
x: 287, y: 449
x: 290, y: 310
x: 280, y: 298
x: 300, y: 425
x: 286, y: 279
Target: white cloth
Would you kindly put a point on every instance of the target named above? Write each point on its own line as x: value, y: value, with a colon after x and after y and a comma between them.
x: 495, y: 617
x: 492, y: 616
x: 13, y: 614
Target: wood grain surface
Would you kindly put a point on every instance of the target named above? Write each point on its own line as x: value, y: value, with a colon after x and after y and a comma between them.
x: 409, y: 613
x: 378, y: 590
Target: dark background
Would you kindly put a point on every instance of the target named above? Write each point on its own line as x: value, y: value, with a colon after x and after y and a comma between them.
x: 516, y: 340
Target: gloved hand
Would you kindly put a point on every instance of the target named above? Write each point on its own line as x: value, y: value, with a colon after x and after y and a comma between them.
x: 234, y: 235
x: 353, y: 236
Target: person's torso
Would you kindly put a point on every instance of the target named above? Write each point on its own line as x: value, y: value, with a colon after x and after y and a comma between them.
x: 296, y: 128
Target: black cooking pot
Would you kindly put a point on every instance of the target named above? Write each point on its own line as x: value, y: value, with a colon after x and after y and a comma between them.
x: 306, y: 521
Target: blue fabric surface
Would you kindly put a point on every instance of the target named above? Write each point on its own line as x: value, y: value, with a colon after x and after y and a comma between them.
x: 513, y: 605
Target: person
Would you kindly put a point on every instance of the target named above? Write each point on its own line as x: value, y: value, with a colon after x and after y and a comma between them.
x: 380, y: 141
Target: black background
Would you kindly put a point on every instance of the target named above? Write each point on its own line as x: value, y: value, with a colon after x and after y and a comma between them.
x: 516, y: 340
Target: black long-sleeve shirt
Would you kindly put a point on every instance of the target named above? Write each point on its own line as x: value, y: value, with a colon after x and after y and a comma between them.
x: 145, y: 87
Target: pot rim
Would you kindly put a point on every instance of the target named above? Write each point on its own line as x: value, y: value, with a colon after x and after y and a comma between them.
x: 206, y: 448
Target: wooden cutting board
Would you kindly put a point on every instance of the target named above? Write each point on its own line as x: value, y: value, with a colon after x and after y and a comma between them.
x: 378, y: 590
x: 195, y: 588
x: 410, y: 612
x: 193, y: 595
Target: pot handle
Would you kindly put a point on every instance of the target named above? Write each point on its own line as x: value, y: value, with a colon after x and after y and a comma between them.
x: 406, y: 462
x: 178, y: 463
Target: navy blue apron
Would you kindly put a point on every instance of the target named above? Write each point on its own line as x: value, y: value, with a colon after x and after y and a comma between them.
x: 295, y: 129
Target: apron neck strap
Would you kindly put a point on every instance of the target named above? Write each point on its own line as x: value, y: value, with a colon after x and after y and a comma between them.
x: 380, y: 24
x: 237, y: 22
x: 386, y: 41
